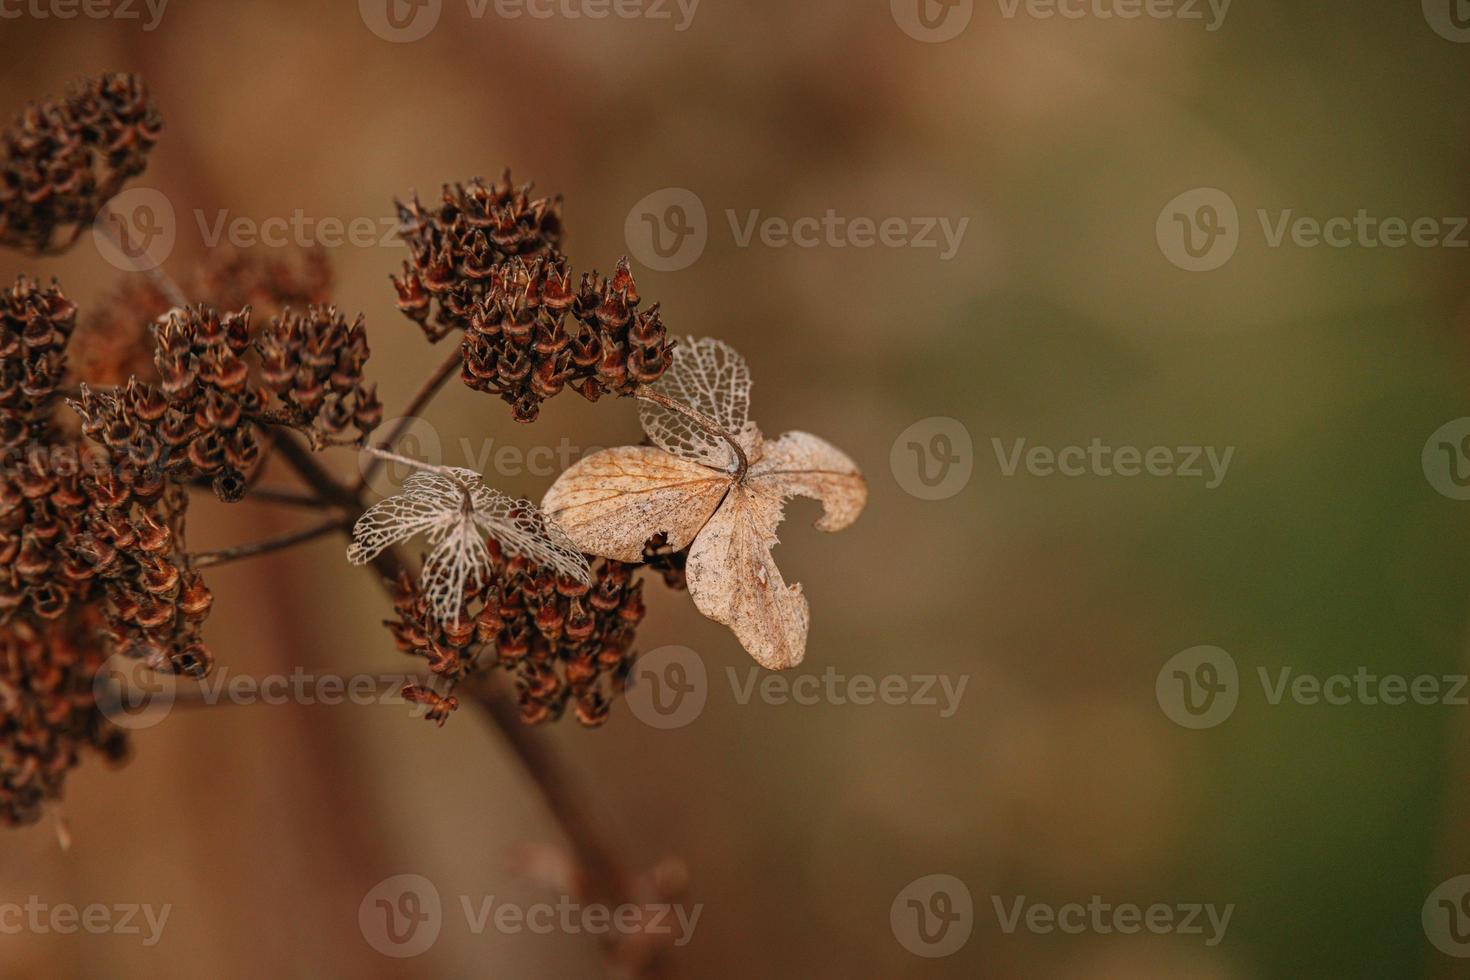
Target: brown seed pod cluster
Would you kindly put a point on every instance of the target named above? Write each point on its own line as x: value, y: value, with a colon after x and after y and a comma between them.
x: 567, y: 643
x: 115, y: 340
x: 89, y: 565
x: 488, y: 263
x: 62, y: 159
x: 203, y: 417
x: 35, y: 326
x: 520, y: 345
x: 48, y: 711
x: 454, y: 248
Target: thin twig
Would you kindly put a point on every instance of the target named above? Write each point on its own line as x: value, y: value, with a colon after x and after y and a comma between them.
x: 425, y: 394
x: 709, y: 425
x: 279, y: 495
x: 161, y: 279
x: 209, y: 559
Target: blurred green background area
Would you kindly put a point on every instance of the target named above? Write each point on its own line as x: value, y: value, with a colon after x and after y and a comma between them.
x: 1324, y: 550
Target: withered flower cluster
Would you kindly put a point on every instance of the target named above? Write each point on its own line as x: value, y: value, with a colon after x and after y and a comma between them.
x: 203, y: 418
x: 115, y: 340
x: 62, y: 159
x: 89, y: 565
x: 487, y: 263
x: 565, y: 642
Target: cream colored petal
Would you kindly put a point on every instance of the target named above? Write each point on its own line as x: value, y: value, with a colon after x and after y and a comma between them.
x: 734, y: 580
x: 710, y: 377
x: 801, y: 463
x: 613, y: 501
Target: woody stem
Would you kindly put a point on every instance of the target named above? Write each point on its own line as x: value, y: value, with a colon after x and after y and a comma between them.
x: 425, y: 394
x: 208, y: 559
x: 709, y: 425
x: 161, y: 279
x: 603, y: 874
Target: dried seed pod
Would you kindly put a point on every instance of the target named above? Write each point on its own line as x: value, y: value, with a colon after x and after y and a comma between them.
x: 62, y: 159
x: 529, y: 335
x: 567, y: 643
x: 454, y: 247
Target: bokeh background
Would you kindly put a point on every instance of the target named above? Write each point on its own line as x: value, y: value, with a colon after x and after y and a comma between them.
x: 1059, y: 320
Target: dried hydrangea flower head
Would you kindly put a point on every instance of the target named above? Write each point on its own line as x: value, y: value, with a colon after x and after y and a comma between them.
x: 202, y: 420
x: 487, y: 264
x: 455, y: 511
x: 567, y: 643
x: 48, y: 712
x: 89, y: 565
x: 711, y: 483
x: 35, y: 326
x: 521, y: 345
x: 115, y: 341
x: 453, y: 248
x: 61, y: 160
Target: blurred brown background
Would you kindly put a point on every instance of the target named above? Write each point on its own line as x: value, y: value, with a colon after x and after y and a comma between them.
x: 1058, y: 320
